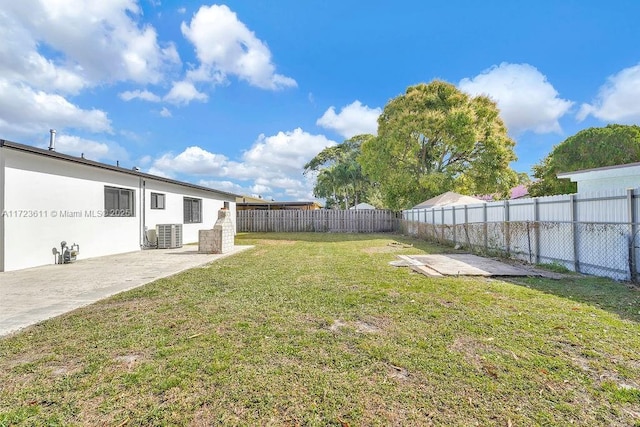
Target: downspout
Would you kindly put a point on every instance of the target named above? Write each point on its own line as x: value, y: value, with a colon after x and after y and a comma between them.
x: 143, y: 212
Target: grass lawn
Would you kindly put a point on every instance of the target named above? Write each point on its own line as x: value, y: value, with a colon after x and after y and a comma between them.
x: 319, y: 330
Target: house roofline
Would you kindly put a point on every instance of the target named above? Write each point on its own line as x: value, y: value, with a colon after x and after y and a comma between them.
x: 604, y: 168
x: 66, y: 157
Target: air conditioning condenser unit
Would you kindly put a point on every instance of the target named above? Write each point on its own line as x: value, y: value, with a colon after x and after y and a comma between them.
x: 169, y: 236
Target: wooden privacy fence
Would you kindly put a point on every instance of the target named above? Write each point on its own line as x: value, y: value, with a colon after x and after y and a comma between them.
x: 332, y: 221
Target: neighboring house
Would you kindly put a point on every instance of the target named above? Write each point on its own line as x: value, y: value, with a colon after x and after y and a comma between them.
x: 48, y: 197
x: 362, y: 206
x: 605, y: 178
x: 448, y: 199
x: 247, y: 203
x: 518, y: 192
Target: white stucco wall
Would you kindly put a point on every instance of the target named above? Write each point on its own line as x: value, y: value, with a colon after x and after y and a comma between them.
x: 591, y: 185
x: 607, y: 178
x: 46, y: 200
x: 2, y: 205
x: 173, y: 212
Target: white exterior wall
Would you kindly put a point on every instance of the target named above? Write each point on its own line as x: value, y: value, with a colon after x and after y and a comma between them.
x: 607, y: 178
x: 48, y: 201
x: 173, y: 213
x: 603, y: 184
x: 2, y: 209
x: 45, y: 200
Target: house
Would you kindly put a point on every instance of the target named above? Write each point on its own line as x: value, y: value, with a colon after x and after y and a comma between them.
x: 605, y: 178
x: 48, y: 197
x: 248, y: 203
x: 362, y: 206
x: 448, y: 199
x: 520, y: 191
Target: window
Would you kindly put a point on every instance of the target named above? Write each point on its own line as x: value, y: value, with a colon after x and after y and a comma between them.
x: 157, y: 201
x: 118, y: 201
x: 192, y: 210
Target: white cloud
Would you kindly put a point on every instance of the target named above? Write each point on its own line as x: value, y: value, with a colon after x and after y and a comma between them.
x: 93, y: 150
x: 527, y: 101
x: 286, y: 152
x: 354, y: 119
x: 228, y: 186
x: 145, y: 95
x: 22, y: 63
x: 225, y: 46
x: 274, y: 165
x: 165, y: 112
x: 25, y: 111
x: 193, y: 161
x: 617, y: 99
x: 52, y: 49
x: 183, y: 92
x: 159, y: 172
x: 113, y: 46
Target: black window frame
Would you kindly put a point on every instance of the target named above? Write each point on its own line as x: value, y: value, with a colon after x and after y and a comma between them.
x: 192, y: 210
x: 155, y: 198
x: 116, y: 200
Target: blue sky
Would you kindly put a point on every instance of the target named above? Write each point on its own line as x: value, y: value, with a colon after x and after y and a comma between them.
x: 238, y: 96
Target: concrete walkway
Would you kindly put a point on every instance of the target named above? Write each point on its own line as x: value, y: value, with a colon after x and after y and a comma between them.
x: 35, y: 294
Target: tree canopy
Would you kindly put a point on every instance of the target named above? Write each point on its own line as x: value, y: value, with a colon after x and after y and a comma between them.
x: 435, y: 138
x: 590, y: 148
x: 339, y: 176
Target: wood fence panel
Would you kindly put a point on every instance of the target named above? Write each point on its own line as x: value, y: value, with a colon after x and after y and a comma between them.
x: 334, y: 221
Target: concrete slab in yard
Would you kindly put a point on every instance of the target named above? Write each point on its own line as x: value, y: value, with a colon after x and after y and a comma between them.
x: 35, y: 294
x: 465, y: 265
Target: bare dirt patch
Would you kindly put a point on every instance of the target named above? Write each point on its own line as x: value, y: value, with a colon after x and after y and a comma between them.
x: 65, y: 369
x: 337, y: 325
x: 371, y: 326
x: 388, y: 248
x: 398, y: 372
x: 365, y: 327
x: 129, y: 360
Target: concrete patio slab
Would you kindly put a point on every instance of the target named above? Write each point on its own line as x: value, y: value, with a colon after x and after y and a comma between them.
x: 32, y: 295
x: 439, y: 265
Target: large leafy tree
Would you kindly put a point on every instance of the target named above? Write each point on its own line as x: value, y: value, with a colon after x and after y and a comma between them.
x: 339, y: 175
x: 590, y: 148
x: 435, y: 138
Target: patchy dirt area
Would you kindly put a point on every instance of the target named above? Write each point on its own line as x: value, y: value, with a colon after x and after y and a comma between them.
x: 391, y: 247
x: 359, y: 325
x: 438, y: 265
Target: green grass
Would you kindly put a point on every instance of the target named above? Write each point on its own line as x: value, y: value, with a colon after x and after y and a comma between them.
x: 318, y: 330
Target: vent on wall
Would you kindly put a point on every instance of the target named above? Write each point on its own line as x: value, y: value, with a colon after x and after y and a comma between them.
x: 169, y: 236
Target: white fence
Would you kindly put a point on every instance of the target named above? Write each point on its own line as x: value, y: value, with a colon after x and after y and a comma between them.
x: 592, y: 233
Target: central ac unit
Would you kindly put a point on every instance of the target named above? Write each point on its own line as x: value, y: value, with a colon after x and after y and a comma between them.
x: 169, y: 236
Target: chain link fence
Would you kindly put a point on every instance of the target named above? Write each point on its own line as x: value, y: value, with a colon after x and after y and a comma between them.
x: 600, y: 249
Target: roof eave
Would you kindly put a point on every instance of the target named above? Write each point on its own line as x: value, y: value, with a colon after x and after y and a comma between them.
x: 66, y: 157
